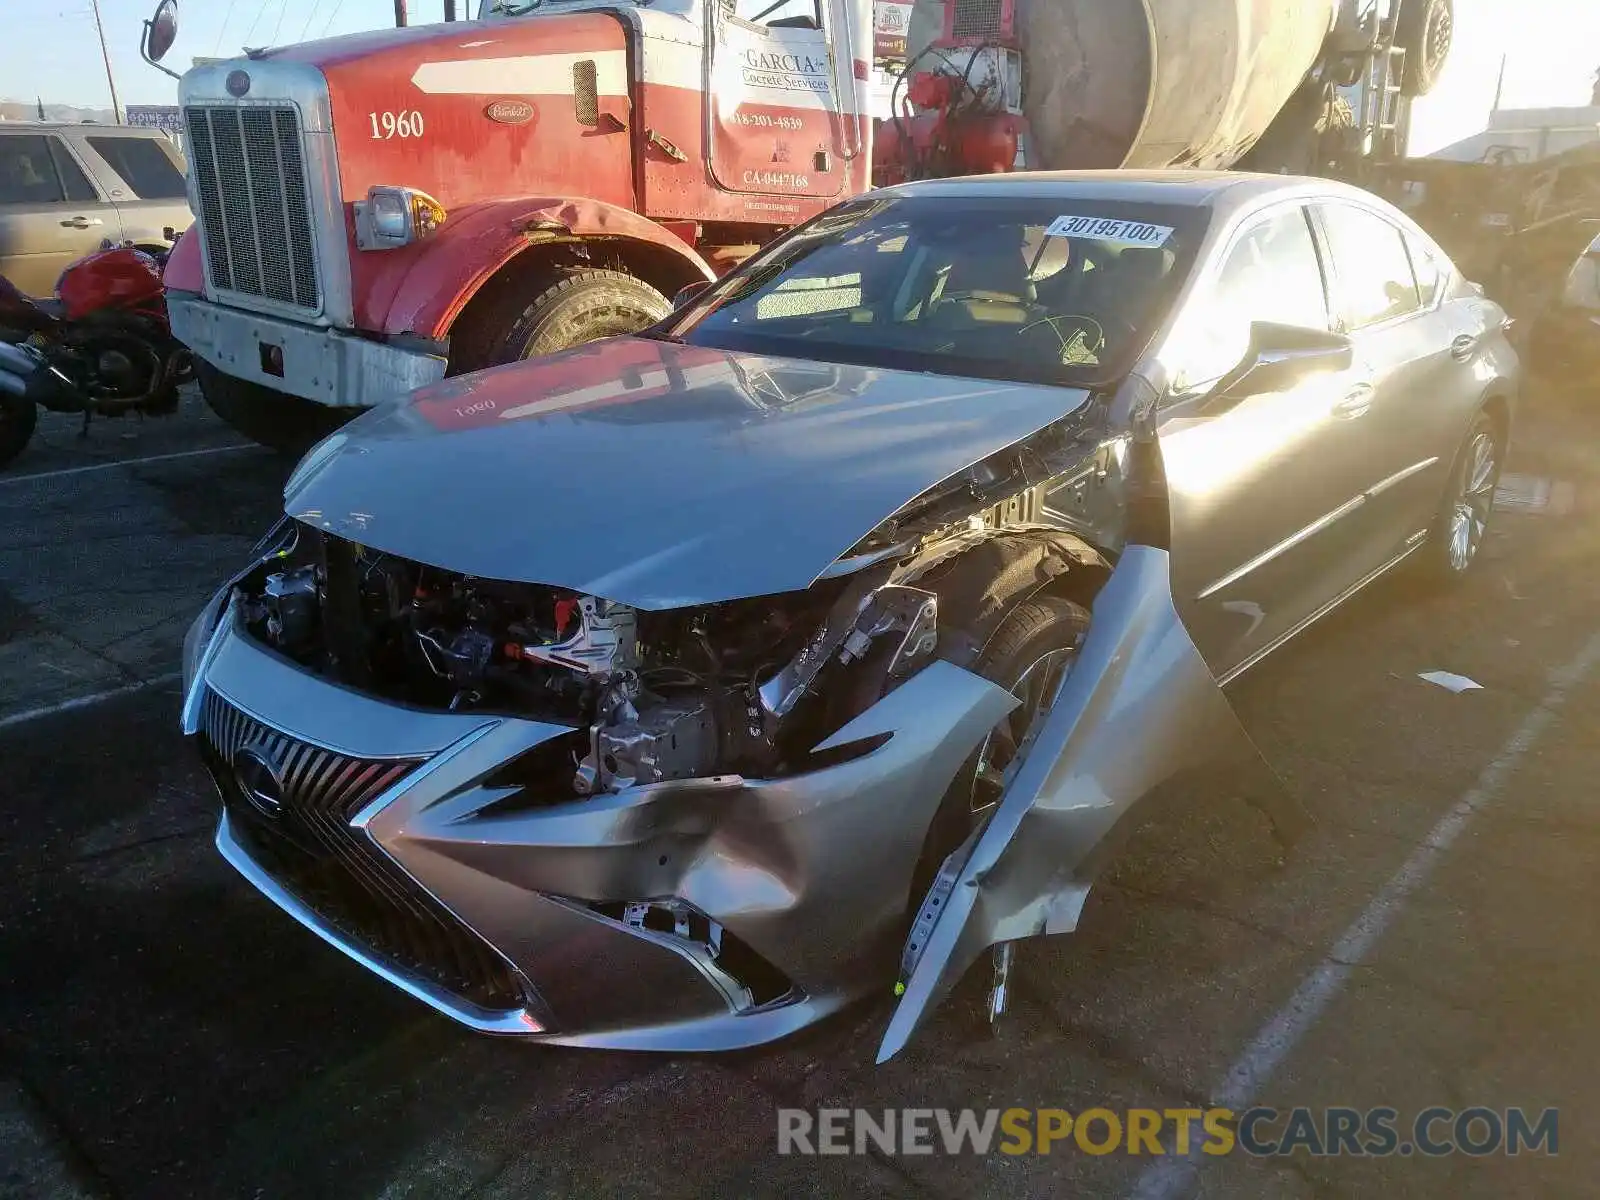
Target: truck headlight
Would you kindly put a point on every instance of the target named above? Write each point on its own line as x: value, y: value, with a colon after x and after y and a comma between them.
x: 391, y: 217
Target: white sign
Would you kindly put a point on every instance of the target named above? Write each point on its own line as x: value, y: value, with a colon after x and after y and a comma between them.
x: 1109, y: 229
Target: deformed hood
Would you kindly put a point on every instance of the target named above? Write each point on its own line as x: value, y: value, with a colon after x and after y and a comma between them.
x: 655, y: 474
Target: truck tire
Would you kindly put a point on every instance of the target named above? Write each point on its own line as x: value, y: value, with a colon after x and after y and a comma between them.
x: 578, y: 306
x: 1423, y: 30
x: 288, y: 424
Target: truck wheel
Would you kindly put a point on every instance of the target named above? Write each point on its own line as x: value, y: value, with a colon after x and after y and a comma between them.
x: 288, y: 424
x: 1424, y: 30
x: 18, y: 416
x: 580, y: 306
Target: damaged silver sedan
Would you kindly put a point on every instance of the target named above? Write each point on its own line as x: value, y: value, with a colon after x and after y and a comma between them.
x: 676, y: 690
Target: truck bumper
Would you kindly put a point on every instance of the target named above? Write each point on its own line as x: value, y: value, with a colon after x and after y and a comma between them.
x: 322, y: 365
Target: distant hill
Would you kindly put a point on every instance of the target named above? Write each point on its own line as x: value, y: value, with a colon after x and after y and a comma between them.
x: 28, y: 110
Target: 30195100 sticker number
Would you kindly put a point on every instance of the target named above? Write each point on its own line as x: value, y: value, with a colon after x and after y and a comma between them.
x: 407, y: 123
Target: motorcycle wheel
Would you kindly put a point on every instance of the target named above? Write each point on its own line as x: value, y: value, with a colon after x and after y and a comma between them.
x: 18, y: 416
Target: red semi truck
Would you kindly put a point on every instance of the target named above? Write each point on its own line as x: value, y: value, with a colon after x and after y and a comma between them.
x: 378, y: 210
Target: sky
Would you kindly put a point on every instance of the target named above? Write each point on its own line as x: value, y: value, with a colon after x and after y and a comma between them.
x: 1551, y: 48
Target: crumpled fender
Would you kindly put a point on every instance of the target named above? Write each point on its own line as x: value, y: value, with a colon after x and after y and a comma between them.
x: 423, y: 290
x: 1139, y: 707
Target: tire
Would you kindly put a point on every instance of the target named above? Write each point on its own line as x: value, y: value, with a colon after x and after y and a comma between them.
x: 1445, y: 557
x: 1424, y: 30
x: 1031, y: 634
x: 1034, y: 629
x: 581, y: 305
x: 18, y: 416
x: 288, y: 424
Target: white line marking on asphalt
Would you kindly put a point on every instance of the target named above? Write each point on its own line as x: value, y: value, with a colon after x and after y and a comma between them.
x: 50, y: 710
x: 1173, y: 1177
x: 125, y: 462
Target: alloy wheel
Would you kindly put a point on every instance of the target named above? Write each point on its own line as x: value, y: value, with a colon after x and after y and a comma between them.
x: 1036, y: 687
x: 1469, y: 516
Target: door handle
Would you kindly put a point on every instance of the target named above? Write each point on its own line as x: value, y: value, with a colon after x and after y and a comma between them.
x: 1464, y: 347
x: 82, y: 222
x: 1356, y: 401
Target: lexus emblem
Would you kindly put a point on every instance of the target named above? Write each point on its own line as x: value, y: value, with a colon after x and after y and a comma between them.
x: 259, y: 781
x: 238, y: 83
x: 510, y: 112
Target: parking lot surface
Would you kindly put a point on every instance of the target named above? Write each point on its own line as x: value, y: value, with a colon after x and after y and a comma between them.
x: 166, y: 1032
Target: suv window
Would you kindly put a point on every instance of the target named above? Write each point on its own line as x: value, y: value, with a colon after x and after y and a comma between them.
x: 1272, y: 273
x: 73, y: 180
x: 1374, y: 272
x: 143, y: 164
x: 27, y: 172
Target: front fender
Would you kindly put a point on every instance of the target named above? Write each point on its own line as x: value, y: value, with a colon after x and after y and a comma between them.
x: 420, y: 290
x: 1138, y: 708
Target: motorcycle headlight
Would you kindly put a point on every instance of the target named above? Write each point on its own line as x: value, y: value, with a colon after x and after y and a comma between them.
x: 391, y: 217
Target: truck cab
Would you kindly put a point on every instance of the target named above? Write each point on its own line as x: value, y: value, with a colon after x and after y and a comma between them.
x: 377, y: 209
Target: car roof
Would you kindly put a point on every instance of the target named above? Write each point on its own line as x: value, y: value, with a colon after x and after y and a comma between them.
x: 94, y: 127
x: 1221, y: 190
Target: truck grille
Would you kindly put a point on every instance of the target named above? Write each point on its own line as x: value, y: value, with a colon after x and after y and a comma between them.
x: 308, y: 846
x: 255, y: 213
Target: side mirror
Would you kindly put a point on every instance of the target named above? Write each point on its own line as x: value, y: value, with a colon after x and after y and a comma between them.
x: 688, y: 295
x: 1279, y: 357
x: 160, y: 31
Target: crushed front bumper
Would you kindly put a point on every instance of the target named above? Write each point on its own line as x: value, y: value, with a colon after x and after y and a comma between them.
x: 388, y: 832
x: 324, y: 365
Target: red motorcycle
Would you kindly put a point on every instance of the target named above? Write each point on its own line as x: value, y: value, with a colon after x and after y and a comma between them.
x: 102, y: 347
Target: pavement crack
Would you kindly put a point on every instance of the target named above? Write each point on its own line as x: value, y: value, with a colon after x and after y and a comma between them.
x: 1108, y: 1048
x: 80, y: 1167
x: 1204, y: 908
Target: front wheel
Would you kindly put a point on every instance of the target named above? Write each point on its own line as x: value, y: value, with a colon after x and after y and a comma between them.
x: 18, y: 416
x: 291, y: 425
x: 1029, y: 656
x: 1456, y: 536
x: 578, y: 306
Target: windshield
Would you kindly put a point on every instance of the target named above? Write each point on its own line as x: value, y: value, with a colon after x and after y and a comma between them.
x: 1048, y: 290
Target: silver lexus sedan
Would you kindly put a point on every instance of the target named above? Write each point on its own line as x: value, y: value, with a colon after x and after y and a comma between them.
x: 673, y: 691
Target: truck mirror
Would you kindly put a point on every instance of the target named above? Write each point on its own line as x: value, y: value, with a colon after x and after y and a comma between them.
x: 160, y: 31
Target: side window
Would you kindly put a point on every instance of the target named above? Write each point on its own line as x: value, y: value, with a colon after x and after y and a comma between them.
x: 777, y: 14
x: 1375, y: 282
x: 27, y: 174
x: 1271, y: 273
x: 143, y: 164
x: 1427, y: 268
x: 75, y: 183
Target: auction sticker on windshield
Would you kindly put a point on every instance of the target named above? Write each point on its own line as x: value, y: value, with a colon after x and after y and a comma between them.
x: 1109, y: 229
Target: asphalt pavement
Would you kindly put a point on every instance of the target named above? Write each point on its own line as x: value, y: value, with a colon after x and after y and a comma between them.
x: 165, y: 1032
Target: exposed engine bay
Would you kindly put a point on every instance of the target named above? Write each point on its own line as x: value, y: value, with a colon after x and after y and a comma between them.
x: 662, y: 695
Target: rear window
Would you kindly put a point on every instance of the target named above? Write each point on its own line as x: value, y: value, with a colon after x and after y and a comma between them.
x: 144, y: 164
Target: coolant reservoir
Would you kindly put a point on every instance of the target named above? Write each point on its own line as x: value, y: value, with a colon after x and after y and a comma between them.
x: 1147, y: 83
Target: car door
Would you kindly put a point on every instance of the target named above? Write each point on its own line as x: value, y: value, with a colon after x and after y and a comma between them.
x: 50, y: 213
x: 776, y: 123
x: 1409, y: 363
x: 1258, y: 491
x: 143, y: 175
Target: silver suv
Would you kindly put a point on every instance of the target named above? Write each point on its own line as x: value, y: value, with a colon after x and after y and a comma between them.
x: 66, y: 190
